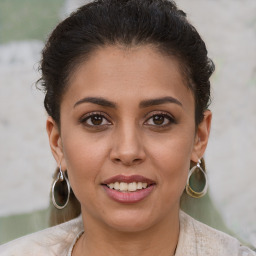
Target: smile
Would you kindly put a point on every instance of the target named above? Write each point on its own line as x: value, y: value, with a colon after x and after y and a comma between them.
x: 128, y: 189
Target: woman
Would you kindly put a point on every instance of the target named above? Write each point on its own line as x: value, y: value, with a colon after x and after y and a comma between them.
x: 127, y: 93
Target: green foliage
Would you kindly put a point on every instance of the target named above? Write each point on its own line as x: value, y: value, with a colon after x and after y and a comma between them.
x: 28, y: 19
x: 15, y: 226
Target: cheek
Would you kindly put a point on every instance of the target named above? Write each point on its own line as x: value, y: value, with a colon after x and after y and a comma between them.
x: 171, y: 157
x: 84, y: 156
x: 172, y: 175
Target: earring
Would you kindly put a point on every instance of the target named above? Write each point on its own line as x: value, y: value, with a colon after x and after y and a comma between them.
x: 60, y: 190
x: 197, y: 182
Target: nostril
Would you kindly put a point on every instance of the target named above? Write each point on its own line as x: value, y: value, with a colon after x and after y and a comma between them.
x: 127, y: 153
x: 137, y: 160
x: 127, y: 161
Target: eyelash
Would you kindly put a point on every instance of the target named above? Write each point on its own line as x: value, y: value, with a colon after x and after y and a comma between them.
x: 89, y: 116
x: 165, y: 115
x: 170, y: 120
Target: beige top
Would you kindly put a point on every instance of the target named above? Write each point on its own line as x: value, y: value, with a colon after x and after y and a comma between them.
x: 195, y: 239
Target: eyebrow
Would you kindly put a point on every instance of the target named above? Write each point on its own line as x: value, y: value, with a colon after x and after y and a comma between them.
x: 145, y: 103
x: 96, y: 100
x: 159, y: 101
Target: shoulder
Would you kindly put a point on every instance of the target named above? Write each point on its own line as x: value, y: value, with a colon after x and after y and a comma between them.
x: 51, y: 241
x: 245, y: 251
x: 200, y: 239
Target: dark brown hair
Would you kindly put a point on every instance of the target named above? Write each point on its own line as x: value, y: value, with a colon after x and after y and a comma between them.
x: 128, y: 23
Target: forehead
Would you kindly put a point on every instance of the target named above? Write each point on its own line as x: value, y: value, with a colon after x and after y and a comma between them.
x: 117, y: 72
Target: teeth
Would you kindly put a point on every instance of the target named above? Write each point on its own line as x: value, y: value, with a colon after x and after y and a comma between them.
x: 116, y: 186
x: 124, y: 187
x: 132, y: 186
x: 111, y: 185
x: 139, y: 185
x: 144, y: 185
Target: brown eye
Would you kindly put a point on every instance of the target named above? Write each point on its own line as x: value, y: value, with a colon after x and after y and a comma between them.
x: 95, y: 120
x: 158, y: 119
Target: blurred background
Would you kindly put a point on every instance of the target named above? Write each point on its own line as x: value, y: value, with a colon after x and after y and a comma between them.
x: 229, y: 30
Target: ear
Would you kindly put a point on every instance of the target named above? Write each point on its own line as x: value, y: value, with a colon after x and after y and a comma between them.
x: 202, y: 136
x: 55, y: 141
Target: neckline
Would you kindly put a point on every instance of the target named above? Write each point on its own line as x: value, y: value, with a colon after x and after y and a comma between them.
x: 81, y: 233
x: 178, y: 245
x: 74, y: 243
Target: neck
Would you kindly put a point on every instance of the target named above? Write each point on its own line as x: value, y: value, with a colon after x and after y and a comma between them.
x: 160, y: 239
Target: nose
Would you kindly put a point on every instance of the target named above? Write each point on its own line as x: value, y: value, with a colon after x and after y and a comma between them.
x: 128, y: 148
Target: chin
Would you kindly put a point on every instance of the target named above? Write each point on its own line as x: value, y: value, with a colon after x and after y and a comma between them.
x: 130, y: 221
x: 130, y: 227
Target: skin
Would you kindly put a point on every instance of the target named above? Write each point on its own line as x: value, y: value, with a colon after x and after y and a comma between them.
x: 128, y: 141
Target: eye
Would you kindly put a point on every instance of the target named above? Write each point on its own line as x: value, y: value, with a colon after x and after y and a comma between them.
x: 161, y: 120
x: 95, y: 119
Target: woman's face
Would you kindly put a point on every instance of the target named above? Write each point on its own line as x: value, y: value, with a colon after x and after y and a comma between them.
x: 128, y: 122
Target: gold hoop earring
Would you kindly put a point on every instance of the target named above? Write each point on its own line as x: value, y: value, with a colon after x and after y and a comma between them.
x: 197, y: 181
x: 60, y: 190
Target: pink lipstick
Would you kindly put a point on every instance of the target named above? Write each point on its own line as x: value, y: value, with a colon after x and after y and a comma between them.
x: 128, y: 179
x: 128, y: 189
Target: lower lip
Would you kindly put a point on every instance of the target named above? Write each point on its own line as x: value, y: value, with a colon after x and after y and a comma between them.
x: 128, y: 197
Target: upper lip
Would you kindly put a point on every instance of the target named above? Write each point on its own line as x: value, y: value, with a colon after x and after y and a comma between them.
x: 128, y: 179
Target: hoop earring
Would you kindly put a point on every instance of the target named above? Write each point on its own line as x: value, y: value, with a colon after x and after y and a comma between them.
x: 197, y: 182
x: 60, y: 190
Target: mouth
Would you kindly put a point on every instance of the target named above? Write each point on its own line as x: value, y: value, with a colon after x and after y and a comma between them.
x: 128, y: 189
x: 128, y: 183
